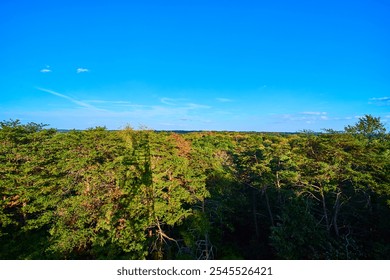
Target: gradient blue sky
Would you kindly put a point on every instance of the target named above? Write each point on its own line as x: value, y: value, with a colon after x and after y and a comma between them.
x: 195, y: 65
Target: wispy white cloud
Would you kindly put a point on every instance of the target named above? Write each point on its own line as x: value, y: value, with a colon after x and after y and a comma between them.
x: 314, y: 113
x: 380, y: 98
x: 224, y: 100
x: 192, y: 106
x: 110, y: 102
x: 169, y: 101
x: 309, y: 117
x: 82, y: 70
x: 314, y: 116
x: 46, y: 69
x: 380, y: 101
x: 170, y: 107
x: 181, y: 112
x: 182, y: 103
x: 73, y: 100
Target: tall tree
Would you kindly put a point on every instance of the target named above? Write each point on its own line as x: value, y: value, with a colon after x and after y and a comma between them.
x: 367, y: 126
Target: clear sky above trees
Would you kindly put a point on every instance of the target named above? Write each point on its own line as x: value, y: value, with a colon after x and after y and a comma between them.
x: 219, y: 65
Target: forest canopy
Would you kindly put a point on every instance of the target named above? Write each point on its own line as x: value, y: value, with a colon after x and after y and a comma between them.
x: 142, y: 194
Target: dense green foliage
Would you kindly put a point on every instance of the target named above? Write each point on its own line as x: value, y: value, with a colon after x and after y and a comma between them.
x: 140, y: 194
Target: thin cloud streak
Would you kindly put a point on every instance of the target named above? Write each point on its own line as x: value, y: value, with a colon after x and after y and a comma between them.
x: 309, y: 117
x: 192, y: 106
x: 110, y: 102
x: 380, y: 101
x: 75, y: 101
x: 178, y: 103
x: 168, y: 101
x: 118, y: 109
x: 224, y: 100
x: 314, y: 113
x: 116, y: 113
x: 380, y: 98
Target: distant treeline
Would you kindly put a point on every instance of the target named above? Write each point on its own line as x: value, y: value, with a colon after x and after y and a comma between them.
x: 193, y: 131
x: 141, y: 194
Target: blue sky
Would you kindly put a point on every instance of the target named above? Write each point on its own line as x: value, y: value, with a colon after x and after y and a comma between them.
x: 195, y: 65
